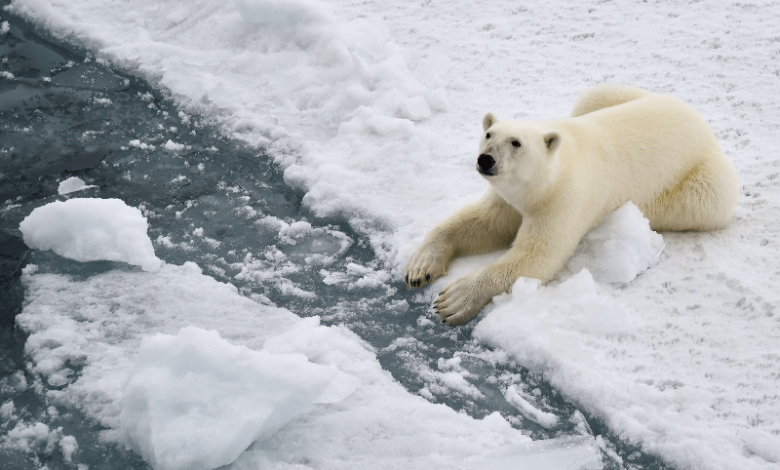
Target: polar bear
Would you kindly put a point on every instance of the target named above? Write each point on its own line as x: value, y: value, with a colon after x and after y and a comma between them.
x: 552, y: 181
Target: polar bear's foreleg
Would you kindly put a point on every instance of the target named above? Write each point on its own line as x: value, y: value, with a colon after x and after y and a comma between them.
x: 533, y: 255
x: 487, y: 224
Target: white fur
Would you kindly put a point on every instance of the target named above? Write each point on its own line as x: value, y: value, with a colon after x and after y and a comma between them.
x: 566, y: 175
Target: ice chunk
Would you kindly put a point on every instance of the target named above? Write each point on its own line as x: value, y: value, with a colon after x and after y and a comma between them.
x: 7, y: 410
x: 174, y: 146
x: 91, y: 230
x: 69, y: 447
x: 619, y: 248
x: 761, y: 443
x: 195, y: 401
x: 30, y: 438
x: 514, y: 398
x: 72, y: 184
x: 570, y: 453
x: 342, y: 386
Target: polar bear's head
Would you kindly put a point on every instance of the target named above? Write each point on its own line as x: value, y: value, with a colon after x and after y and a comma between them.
x: 519, y: 158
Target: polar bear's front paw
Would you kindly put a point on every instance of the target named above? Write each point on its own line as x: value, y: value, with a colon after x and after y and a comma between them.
x: 462, y: 300
x: 428, y: 262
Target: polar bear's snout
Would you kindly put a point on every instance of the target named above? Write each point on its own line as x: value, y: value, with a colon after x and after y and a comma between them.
x: 486, y: 165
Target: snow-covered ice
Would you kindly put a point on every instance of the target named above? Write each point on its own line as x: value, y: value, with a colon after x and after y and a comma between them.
x: 87, y: 229
x: 195, y: 401
x: 374, y: 109
x: 618, y: 249
x: 574, y: 453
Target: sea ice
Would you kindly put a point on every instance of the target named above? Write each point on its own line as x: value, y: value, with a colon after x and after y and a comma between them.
x: 568, y: 453
x: 360, y: 412
x: 195, y: 401
x: 90, y: 230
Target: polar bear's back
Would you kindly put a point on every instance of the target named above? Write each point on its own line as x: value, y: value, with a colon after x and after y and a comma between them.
x: 658, y: 152
x: 605, y: 96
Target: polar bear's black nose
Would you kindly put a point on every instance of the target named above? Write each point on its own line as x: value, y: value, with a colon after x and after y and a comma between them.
x: 485, y: 163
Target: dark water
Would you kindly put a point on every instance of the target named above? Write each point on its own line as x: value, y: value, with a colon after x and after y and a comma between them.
x: 64, y: 115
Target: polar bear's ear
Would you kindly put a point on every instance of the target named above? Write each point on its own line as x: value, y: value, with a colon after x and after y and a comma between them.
x: 552, y: 140
x: 488, y: 121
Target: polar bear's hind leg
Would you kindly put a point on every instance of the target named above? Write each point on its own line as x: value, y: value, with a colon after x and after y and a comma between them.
x: 704, y: 199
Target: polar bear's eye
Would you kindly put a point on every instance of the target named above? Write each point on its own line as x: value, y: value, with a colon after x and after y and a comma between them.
x: 487, y: 136
x: 516, y: 143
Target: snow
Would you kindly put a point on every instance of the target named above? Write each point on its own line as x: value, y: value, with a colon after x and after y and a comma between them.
x: 91, y: 230
x: 374, y: 109
x: 618, y: 249
x: 658, y: 377
x: 175, y: 413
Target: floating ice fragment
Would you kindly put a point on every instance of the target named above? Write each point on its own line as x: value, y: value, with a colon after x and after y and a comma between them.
x: 194, y: 401
x: 173, y: 146
x: 141, y: 145
x: 90, y: 230
x: 514, y: 398
x: 72, y: 184
x: 31, y: 438
x: 69, y: 447
x: 7, y: 410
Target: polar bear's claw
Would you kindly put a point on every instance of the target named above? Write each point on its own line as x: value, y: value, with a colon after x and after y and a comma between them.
x: 462, y: 300
x: 426, y: 265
